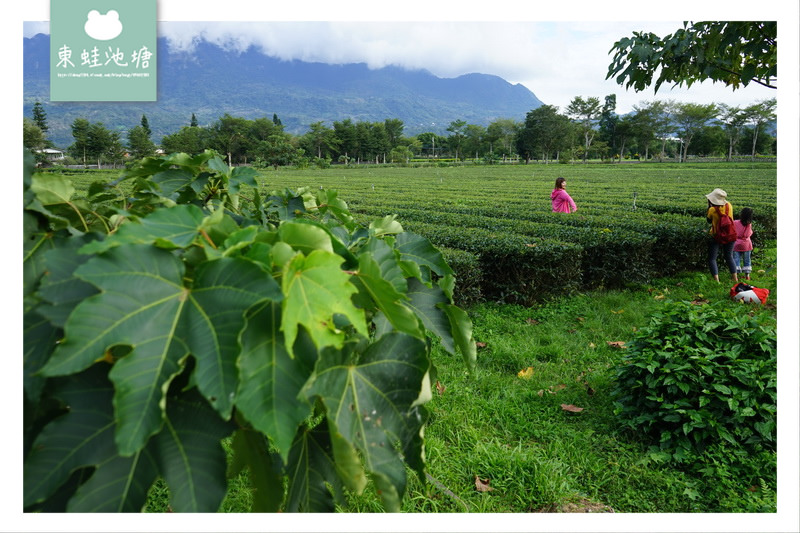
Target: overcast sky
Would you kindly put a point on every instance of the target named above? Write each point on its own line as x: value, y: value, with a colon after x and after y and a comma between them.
x: 557, y: 59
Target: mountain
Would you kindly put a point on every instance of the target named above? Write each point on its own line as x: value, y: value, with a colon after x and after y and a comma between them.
x: 211, y: 81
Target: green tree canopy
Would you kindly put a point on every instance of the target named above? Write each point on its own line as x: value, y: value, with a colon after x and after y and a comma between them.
x: 146, y: 126
x: 691, y: 119
x: 139, y: 143
x: 455, y: 141
x: 32, y: 136
x: 586, y: 113
x: 545, y: 132
x: 733, y: 119
x: 758, y: 115
x: 501, y: 134
x: 394, y: 129
x: 40, y: 117
x: 80, y: 133
x: 734, y: 53
x: 277, y: 150
x: 229, y: 135
x: 189, y: 139
x: 319, y: 140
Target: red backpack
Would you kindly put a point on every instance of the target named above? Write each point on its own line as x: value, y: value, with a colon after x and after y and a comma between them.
x: 725, y: 231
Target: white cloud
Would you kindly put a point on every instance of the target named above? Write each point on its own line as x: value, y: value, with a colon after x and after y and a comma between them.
x: 556, y: 60
x: 32, y: 28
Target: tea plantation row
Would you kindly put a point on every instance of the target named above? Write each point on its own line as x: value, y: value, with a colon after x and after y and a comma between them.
x: 634, y: 223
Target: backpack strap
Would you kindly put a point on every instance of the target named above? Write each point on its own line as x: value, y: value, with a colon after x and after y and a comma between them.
x: 719, y: 218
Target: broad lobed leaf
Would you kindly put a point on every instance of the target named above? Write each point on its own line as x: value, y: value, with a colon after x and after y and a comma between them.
x: 184, y: 313
x: 370, y: 402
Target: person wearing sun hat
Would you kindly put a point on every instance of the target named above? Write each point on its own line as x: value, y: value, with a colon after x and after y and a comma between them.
x: 718, y: 204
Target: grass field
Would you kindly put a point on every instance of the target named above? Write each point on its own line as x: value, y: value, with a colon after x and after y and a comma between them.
x: 502, y: 442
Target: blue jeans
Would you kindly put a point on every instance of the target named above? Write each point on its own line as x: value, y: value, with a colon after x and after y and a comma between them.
x: 727, y: 255
x: 742, y: 262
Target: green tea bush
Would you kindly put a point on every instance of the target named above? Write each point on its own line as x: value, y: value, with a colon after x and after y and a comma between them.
x: 514, y: 268
x: 701, y: 375
x: 467, y: 270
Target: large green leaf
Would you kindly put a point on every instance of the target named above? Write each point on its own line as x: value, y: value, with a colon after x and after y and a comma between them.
x: 270, y: 380
x: 286, y: 205
x: 312, y: 470
x: 83, y: 436
x: 388, y: 259
x: 445, y: 320
x: 391, y: 302
x: 172, y: 180
x: 169, y: 227
x: 187, y: 453
x: 141, y: 301
x: 416, y: 252
x: 461, y: 326
x: 28, y: 168
x: 331, y: 206
x: 190, y: 455
x: 36, y: 241
x: 52, y: 189
x: 144, y: 305
x: 119, y: 484
x: 372, y: 404
x: 151, y: 166
x: 426, y: 303
x: 251, y: 451
x: 242, y: 176
x: 59, y: 287
x: 388, y: 225
x: 39, y: 340
x: 223, y: 290
x: 315, y: 289
x: 305, y: 237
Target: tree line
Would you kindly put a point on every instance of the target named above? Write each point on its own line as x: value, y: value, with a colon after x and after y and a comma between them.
x: 586, y: 129
x: 658, y: 129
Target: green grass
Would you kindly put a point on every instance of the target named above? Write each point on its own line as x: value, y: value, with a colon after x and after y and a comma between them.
x: 539, y: 457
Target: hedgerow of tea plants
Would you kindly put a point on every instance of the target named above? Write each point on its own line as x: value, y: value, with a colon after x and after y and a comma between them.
x: 701, y: 376
x: 162, y: 320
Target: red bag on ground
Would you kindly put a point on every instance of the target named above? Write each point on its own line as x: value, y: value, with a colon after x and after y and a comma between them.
x: 747, y: 293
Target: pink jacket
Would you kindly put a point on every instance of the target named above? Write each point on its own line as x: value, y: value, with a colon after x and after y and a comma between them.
x: 743, y: 233
x: 562, y: 202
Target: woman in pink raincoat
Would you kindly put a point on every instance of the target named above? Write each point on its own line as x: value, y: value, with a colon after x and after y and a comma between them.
x: 562, y: 202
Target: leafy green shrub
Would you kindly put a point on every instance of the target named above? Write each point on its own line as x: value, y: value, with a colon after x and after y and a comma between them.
x: 467, y: 270
x: 161, y: 321
x: 701, y: 375
x: 322, y: 162
x: 514, y: 268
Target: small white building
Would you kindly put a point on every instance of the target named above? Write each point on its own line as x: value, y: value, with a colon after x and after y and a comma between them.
x: 52, y: 154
